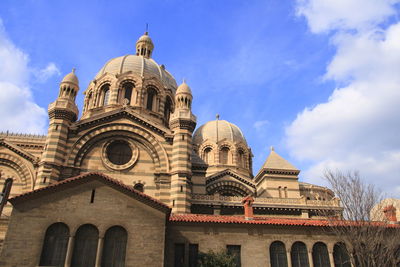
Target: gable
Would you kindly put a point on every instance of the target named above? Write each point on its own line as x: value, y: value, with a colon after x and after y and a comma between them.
x: 124, y: 114
x: 229, y: 181
x: 83, y: 185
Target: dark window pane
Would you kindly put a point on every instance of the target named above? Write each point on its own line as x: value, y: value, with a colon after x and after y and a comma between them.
x: 114, y: 248
x: 167, y: 110
x: 85, y: 248
x: 299, y: 255
x: 235, y: 251
x: 119, y: 152
x: 179, y: 255
x: 55, y: 245
x: 224, y: 155
x: 320, y: 255
x: 128, y: 92
x: 193, y: 254
x: 106, y: 94
x: 139, y: 187
x: 341, y: 256
x: 277, y: 254
x: 151, y: 93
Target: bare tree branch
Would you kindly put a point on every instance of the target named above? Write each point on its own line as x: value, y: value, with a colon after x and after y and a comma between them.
x: 372, y: 243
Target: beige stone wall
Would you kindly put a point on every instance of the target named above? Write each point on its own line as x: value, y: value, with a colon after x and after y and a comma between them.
x: 141, y: 172
x: 145, y: 225
x: 279, y: 186
x: 254, y: 240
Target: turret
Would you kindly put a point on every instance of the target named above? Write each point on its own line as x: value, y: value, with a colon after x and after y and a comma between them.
x: 62, y: 113
x: 144, y: 46
x: 182, y: 123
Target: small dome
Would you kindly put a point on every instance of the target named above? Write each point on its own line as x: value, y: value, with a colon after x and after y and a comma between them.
x: 184, y: 89
x: 138, y: 65
x: 145, y: 38
x: 71, y: 78
x: 218, y: 130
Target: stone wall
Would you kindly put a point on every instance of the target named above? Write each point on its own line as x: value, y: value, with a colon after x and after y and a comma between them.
x: 254, y: 240
x: 29, y: 221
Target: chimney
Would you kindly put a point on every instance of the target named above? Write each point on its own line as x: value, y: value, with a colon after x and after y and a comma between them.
x: 248, y: 207
x: 390, y: 213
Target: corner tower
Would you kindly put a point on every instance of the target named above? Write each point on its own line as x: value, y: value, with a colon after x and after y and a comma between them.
x: 182, y: 123
x: 62, y: 113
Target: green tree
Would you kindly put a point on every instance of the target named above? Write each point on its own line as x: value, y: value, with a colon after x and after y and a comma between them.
x: 216, y: 259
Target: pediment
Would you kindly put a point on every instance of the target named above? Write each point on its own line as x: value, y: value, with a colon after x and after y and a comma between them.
x: 77, y: 183
x: 229, y: 175
x: 19, y: 151
x: 122, y: 113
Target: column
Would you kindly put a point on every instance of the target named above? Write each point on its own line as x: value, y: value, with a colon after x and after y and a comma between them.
x: 68, y: 255
x: 331, y: 260
x: 289, y: 258
x: 310, y: 260
x: 99, y: 253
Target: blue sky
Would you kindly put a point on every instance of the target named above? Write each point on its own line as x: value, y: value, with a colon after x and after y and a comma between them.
x: 296, y: 75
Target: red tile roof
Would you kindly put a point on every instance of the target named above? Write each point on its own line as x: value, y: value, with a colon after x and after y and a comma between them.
x: 226, y: 219
x: 200, y: 218
x: 87, y: 177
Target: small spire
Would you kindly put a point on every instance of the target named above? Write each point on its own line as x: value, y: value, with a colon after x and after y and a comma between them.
x: 73, y: 70
x: 147, y: 29
x: 217, y: 116
x: 184, y: 80
x: 272, y: 148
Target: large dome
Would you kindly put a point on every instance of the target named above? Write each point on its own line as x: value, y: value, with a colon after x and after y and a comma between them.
x: 139, y: 65
x: 218, y: 130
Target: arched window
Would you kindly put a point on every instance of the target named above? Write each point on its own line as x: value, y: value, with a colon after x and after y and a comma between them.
x: 139, y: 187
x: 277, y: 252
x: 105, y: 91
x: 207, y: 156
x: 114, y: 248
x: 241, y: 159
x: 55, y: 245
x: 320, y: 255
x: 89, y: 100
x: 224, y: 155
x: 85, y: 248
x: 151, y: 99
x: 127, y: 90
x: 341, y: 256
x: 167, y: 109
x: 299, y: 255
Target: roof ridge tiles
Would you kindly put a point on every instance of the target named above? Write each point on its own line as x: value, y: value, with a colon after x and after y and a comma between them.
x: 100, y: 177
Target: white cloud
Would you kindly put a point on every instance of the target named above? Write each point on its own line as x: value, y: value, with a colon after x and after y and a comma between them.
x: 18, y: 111
x: 44, y: 74
x: 358, y: 127
x: 327, y: 15
x: 258, y: 125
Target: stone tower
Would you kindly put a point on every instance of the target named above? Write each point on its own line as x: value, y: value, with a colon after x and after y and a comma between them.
x: 62, y: 113
x: 144, y: 46
x: 182, y: 123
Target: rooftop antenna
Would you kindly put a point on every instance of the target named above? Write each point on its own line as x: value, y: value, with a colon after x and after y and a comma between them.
x: 147, y: 28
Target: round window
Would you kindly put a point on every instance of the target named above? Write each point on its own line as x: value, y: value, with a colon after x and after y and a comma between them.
x: 119, y: 152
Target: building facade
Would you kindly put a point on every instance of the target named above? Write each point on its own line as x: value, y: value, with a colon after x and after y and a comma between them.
x: 132, y: 183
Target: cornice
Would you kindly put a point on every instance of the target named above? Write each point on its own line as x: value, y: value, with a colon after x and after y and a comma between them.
x: 116, y: 114
x: 19, y: 151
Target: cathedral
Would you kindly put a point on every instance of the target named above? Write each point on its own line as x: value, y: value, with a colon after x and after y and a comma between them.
x: 129, y: 180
